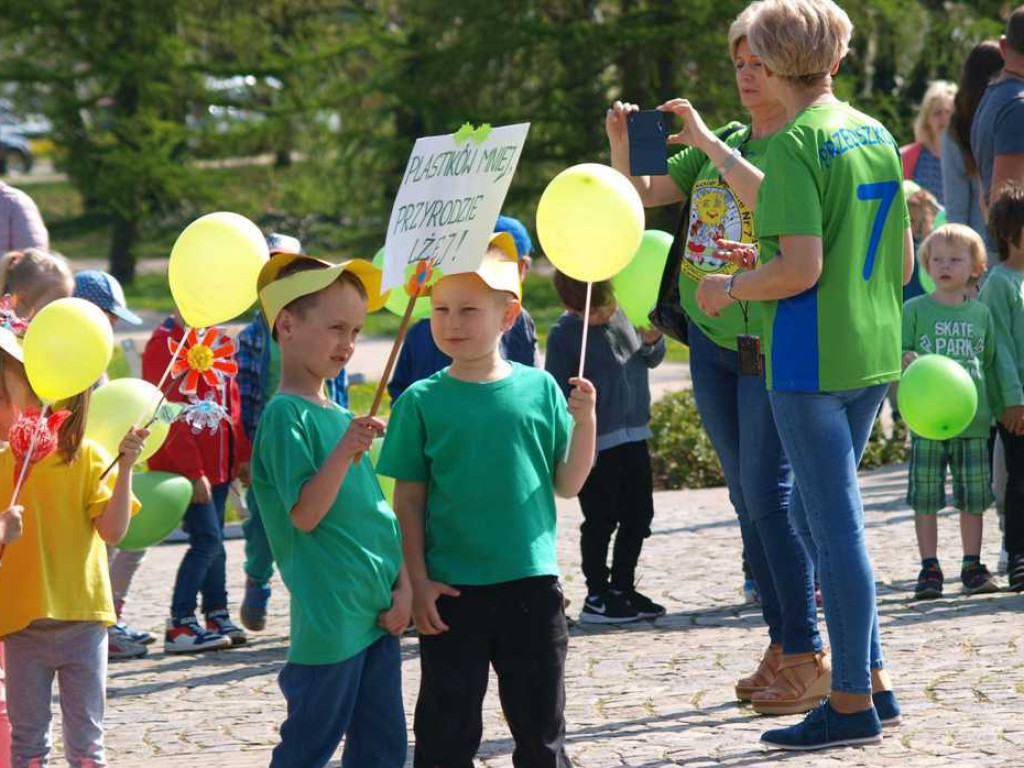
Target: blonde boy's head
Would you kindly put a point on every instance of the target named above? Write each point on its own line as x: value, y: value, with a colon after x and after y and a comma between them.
x: 960, y: 238
x: 800, y: 41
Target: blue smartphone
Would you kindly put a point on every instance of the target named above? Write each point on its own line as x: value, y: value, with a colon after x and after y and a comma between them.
x: 648, y: 143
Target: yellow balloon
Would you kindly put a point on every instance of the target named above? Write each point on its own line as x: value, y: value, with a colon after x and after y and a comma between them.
x: 590, y: 221
x: 120, y: 405
x: 213, y: 268
x: 67, y: 348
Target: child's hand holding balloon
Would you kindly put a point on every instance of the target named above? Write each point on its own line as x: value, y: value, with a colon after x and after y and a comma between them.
x: 10, y: 524
x: 131, y: 448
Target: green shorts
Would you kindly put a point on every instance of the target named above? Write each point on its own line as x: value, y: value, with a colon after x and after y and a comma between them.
x: 968, y: 461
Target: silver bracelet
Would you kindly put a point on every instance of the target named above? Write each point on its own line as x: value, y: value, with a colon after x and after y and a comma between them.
x: 730, y: 161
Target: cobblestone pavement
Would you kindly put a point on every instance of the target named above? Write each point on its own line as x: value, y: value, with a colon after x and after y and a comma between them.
x: 652, y: 694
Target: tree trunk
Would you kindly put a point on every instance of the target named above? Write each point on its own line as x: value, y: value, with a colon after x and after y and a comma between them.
x: 122, y: 260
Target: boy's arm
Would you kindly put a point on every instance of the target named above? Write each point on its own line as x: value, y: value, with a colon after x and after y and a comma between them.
x: 410, y: 503
x: 996, y: 297
x: 571, y: 474
x: 319, y: 493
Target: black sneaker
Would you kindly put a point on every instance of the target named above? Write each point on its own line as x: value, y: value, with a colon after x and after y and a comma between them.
x: 647, y: 608
x: 1015, y: 573
x: 977, y: 580
x: 929, y: 583
x: 608, y: 608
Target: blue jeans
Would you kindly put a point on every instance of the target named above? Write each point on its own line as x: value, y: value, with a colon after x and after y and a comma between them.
x: 259, y: 560
x: 204, y: 566
x: 824, y: 434
x: 359, y: 699
x: 738, y: 418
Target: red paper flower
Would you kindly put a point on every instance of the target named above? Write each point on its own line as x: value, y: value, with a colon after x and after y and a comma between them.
x: 30, y: 426
x: 209, y: 358
x: 9, y: 318
x: 420, y: 278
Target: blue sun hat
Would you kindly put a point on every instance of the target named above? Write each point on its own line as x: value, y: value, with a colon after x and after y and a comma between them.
x: 105, y: 292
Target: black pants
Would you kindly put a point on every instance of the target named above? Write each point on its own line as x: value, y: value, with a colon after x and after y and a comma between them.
x: 1013, y: 449
x: 519, y: 628
x: 618, y: 494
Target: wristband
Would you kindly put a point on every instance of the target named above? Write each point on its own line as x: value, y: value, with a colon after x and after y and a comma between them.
x: 730, y: 162
x: 728, y: 287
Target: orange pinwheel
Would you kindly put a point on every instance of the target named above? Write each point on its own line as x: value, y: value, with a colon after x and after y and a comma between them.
x: 210, y: 358
x: 421, y: 277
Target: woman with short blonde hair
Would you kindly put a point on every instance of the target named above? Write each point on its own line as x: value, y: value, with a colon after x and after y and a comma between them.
x: 922, y: 160
x: 832, y: 322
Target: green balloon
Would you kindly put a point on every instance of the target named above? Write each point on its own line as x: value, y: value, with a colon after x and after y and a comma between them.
x: 636, y: 286
x: 399, y: 299
x: 937, y: 397
x: 387, y: 484
x: 164, y: 498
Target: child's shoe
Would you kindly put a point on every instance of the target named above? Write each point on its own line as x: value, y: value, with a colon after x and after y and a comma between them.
x: 647, y: 608
x: 824, y: 728
x: 186, y: 636
x: 887, y: 708
x: 253, y: 612
x: 1015, y: 573
x: 135, y: 635
x: 977, y: 580
x: 221, y: 623
x: 608, y: 608
x: 929, y: 583
x: 120, y: 645
x: 750, y: 594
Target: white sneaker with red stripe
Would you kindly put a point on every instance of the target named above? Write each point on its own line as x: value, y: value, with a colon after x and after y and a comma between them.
x: 186, y: 636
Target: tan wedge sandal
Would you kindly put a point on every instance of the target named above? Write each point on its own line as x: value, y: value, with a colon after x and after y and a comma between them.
x: 763, y: 677
x: 803, y: 680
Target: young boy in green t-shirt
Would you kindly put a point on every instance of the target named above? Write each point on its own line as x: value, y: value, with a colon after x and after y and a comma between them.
x: 334, y: 538
x: 478, y: 451
x: 949, y: 323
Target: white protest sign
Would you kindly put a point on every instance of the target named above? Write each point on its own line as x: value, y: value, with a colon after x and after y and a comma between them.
x: 450, y: 197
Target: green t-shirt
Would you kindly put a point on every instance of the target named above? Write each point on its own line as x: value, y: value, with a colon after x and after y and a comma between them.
x: 341, y: 573
x: 273, y: 373
x: 488, y: 453
x: 835, y: 173
x: 964, y: 333
x: 1003, y: 294
x: 716, y: 212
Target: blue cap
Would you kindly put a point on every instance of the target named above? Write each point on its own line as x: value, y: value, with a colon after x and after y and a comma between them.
x: 105, y: 292
x: 278, y: 243
x: 516, y: 228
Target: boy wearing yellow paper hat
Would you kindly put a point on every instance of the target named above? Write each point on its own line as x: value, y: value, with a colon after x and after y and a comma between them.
x: 334, y: 538
x: 485, y: 444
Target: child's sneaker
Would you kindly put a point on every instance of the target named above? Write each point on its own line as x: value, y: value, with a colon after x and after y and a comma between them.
x: 253, y: 612
x: 647, y: 608
x: 929, y: 583
x: 186, y: 636
x: 221, y: 623
x: 135, y: 635
x: 977, y: 580
x: 608, y: 608
x: 120, y: 646
x: 750, y: 594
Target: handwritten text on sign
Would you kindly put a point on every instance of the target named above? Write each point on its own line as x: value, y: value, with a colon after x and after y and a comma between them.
x: 450, y: 197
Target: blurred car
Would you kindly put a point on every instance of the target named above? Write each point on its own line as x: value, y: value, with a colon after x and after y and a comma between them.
x: 16, y: 155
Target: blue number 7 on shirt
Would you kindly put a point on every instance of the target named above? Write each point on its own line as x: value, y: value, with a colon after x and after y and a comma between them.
x: 886, y: 192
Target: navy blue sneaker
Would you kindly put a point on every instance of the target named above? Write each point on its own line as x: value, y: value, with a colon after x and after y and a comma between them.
x: 887, y: 708
x: 253, y: 612
x: 824, y: 728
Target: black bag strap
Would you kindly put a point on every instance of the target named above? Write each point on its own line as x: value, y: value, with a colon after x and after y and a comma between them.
x: 668, y: 291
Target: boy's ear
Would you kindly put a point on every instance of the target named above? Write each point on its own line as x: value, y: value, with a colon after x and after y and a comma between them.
x: 283, y: 324
x: 513, y: 309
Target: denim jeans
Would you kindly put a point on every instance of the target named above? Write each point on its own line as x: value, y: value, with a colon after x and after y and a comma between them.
x: 824, y: 434
x: 358, y: 699
x: 738, y: 418
x: 203, y: 568
x: 259, y: 560
x: 74, y: 653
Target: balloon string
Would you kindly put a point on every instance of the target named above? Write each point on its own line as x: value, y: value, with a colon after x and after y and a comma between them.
x: 586, y: 327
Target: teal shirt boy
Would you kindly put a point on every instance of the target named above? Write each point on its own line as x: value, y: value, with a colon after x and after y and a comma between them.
x: 488, y: 453
x: 340, y: 574
x: 1003, y: 294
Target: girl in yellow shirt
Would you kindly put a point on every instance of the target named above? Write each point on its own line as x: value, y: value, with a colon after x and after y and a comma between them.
x: 55, y: 600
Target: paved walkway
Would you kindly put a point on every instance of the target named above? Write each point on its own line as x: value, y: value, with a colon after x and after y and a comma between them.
x: 653, y: 694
